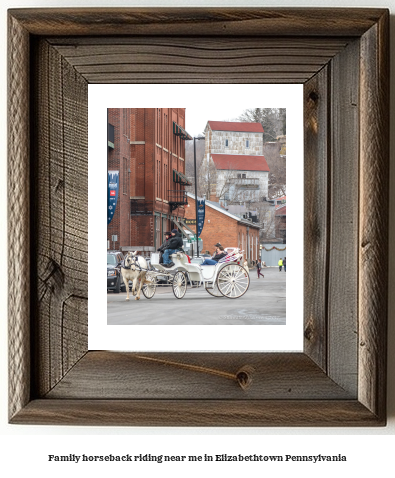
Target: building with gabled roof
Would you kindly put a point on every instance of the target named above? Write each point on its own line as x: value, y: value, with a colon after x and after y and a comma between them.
x: 228, y: 137
x: 236, y: 126
x: 236, y: 150
x: 240, y: 162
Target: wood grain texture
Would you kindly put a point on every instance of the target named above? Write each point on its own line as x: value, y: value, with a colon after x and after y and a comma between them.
x: 374, y: 222
x: 61, y: 204
x: 260, y: 22
x: 202, y: 413
x: 316, y: 214
x: 214, y: 60
x: 196, y: 375
x: 18, y: 217
x: 343, y: 248
x: 317, y: 387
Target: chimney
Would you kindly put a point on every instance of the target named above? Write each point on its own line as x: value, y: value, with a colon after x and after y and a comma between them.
x: 213, y: 193
x: 213, y: 197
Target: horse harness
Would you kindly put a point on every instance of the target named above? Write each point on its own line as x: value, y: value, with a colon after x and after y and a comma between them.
x: 135, y: 263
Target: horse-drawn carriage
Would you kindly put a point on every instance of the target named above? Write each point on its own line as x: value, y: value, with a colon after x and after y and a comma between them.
x: 225, y: 279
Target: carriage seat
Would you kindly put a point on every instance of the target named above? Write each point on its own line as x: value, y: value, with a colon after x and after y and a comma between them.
x: 179, y: 256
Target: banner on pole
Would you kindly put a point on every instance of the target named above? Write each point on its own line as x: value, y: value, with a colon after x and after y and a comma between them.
x: 201, y: 213
x: 113, y: 186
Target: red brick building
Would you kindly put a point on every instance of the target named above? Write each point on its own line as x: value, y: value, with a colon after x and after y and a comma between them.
x: 226, y: 228
x: 147, y: 147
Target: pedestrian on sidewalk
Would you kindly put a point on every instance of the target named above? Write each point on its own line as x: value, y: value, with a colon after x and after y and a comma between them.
x: 258, y: 268
x: 285, y: 264
x: 280, y: 264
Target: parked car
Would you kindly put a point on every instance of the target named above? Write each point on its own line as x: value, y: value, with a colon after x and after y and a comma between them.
x: 114, y: 276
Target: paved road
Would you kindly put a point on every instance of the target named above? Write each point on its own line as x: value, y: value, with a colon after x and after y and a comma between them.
x: 263, y: 303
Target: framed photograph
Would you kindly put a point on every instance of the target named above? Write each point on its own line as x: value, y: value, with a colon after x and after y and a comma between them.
x: 234, y: 179
x: 341, y: 59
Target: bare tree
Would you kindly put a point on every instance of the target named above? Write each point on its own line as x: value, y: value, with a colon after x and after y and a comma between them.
x: 266, y: 218
x: 230, y: 185
x: 207, y: 178
x: 189, y: 165
x: 277, y: 165
x: 273, y: 121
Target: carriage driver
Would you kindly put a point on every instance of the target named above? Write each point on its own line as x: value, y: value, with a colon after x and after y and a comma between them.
x: 171, y: 246
x: 162, y: 247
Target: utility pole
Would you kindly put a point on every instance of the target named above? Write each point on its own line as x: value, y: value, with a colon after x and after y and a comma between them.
x: 248, y: 244
x: 196, y: 199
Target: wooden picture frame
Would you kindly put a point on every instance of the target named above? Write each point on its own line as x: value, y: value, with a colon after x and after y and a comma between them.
x: 342, y: 58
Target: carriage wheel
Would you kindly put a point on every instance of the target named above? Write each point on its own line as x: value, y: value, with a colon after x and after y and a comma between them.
x: 149, y: 289
x: 179, y: 285
x: 233, y: 281
x: 214, y: 291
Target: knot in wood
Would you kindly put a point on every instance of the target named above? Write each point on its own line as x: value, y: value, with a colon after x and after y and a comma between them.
x: 313, y: 96
x: 308, y: 332
x: 244, y: 376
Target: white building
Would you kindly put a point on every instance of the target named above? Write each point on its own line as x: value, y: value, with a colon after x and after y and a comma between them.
x: 241, y: 178
x: 233, y: 138
x: 236, y: 150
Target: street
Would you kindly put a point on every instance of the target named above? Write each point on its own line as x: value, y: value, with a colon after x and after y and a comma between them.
x: 262, y: 304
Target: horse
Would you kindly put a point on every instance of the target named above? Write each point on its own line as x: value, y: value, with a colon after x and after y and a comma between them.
x: 135, y: 269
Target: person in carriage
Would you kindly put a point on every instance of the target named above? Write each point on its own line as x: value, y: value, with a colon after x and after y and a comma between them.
x: 171, y: 246
x: 163, y: 246
x: 219, y: 254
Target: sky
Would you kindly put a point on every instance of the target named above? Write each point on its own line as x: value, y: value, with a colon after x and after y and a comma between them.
x: 196, y: 118
x: 203, y: 102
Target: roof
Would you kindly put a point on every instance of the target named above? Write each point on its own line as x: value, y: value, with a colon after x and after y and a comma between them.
x: 224, y: 211
x: 241, y: 127
x: 281, y: 211
x: 240, y: 162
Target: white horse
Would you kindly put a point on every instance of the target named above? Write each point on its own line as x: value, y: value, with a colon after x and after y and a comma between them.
x: 134, y: 269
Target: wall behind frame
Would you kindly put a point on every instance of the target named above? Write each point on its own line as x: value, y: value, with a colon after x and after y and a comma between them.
x: 45, y: 443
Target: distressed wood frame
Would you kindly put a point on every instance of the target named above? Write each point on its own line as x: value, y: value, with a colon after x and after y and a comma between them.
x: 342, y: 58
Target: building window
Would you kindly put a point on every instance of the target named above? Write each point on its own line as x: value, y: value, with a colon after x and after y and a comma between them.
x: 125, y: 176
x: 157, y: 178
x: 124, y: 114
x: 158, y: 242
x: 111, y: 136
x: 126, y: 122
x: 165, y: 193
x: 247, y: 143
x: 166, y: 133
x: 159, y: 184
x: 226, y: 143
x: 159, y: 128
